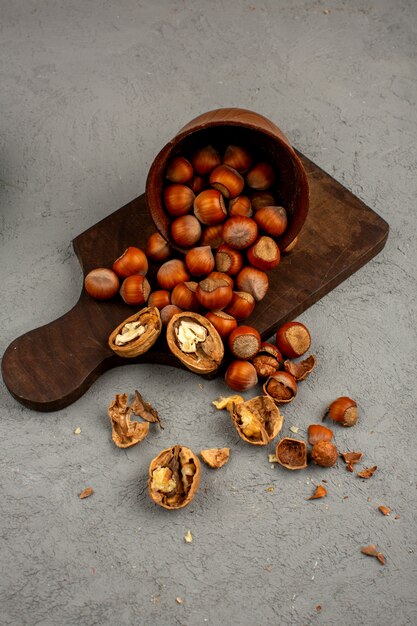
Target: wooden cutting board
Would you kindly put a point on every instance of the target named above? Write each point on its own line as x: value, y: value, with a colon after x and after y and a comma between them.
x: 50, y: 367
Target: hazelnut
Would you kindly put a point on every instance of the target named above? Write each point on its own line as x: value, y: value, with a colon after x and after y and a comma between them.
x: 324, y: 453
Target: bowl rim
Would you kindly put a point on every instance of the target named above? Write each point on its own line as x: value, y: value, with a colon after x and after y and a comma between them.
x: 154, y: 197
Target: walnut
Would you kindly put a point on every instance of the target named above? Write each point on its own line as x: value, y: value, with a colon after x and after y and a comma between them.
x: 124, y: 432
x: 258, y: 421
x: 195, y: 342
x: 215, y: 457
x: 137, y: 334
x: 174, y: 476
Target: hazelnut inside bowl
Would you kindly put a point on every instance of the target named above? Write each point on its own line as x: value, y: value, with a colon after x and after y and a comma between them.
x: 264, y: 141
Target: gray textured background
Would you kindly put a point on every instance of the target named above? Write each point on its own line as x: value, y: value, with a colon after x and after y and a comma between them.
x: 89, y: 93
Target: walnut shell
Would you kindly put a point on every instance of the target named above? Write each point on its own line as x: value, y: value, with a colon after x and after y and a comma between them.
x: 150, y: 319
x: 124, y: 432
x: 205, y: 355
x: 258, y: 421
x: 291, y: 453
x: 215, y: 457
x: 174, y: 476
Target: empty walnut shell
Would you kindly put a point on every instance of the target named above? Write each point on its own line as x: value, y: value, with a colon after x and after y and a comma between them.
x: 137, y: 334
x: 291, y: 453
x: 193, y: 339
x: 174, y: 476
x: 301, y: 370
x: 258, y: 421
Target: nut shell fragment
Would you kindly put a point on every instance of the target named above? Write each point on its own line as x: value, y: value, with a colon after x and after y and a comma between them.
x: 367, y: 472
x: 223, y: 403
x: 174, y: 477
x: 215, y: 457
x: 291, y: 453
x: 142, y: 330
x: 301, y: 370
x: 385, y: 510
x: 124, y: 432
x: 351, y: 458
x: 258, y: 421
x: 320, y: 492
x: 371, y: 550
x: 143, y: 409
x: 86, y: 493
x: 193, y: 339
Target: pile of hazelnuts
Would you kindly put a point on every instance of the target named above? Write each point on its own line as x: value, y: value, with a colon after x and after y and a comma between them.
x: 225, y: 216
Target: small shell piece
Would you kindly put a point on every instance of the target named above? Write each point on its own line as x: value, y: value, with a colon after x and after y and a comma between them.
x: 137, y: 334
x: 258, y: 421
x: 301, y: 370
x: 174, y: 477
x: 367, y: 472
x: 193, y: 339
x: 292, y: 453
x: 224, y: 403
x: 215, y: 457
x: 143, y: 409
x: 320, y: 492
x: 351, y: 458
x: 124, y: 432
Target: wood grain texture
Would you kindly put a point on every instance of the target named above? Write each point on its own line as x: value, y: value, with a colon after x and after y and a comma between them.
x: 50, y: 367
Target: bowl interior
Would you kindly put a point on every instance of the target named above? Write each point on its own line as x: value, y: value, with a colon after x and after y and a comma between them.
x: 290, y: 189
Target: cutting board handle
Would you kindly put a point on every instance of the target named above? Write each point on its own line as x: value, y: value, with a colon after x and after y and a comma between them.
x: 51, y: 366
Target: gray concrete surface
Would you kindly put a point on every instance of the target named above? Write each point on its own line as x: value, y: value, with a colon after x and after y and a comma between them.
x: 90, y: 91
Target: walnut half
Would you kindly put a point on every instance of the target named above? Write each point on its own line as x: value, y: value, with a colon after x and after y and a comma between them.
x: 193, y: 339
x: 137, y: 334
x: 174, y: 476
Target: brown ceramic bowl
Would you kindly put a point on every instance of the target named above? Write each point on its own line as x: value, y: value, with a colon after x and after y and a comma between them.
x: 222, y: 127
